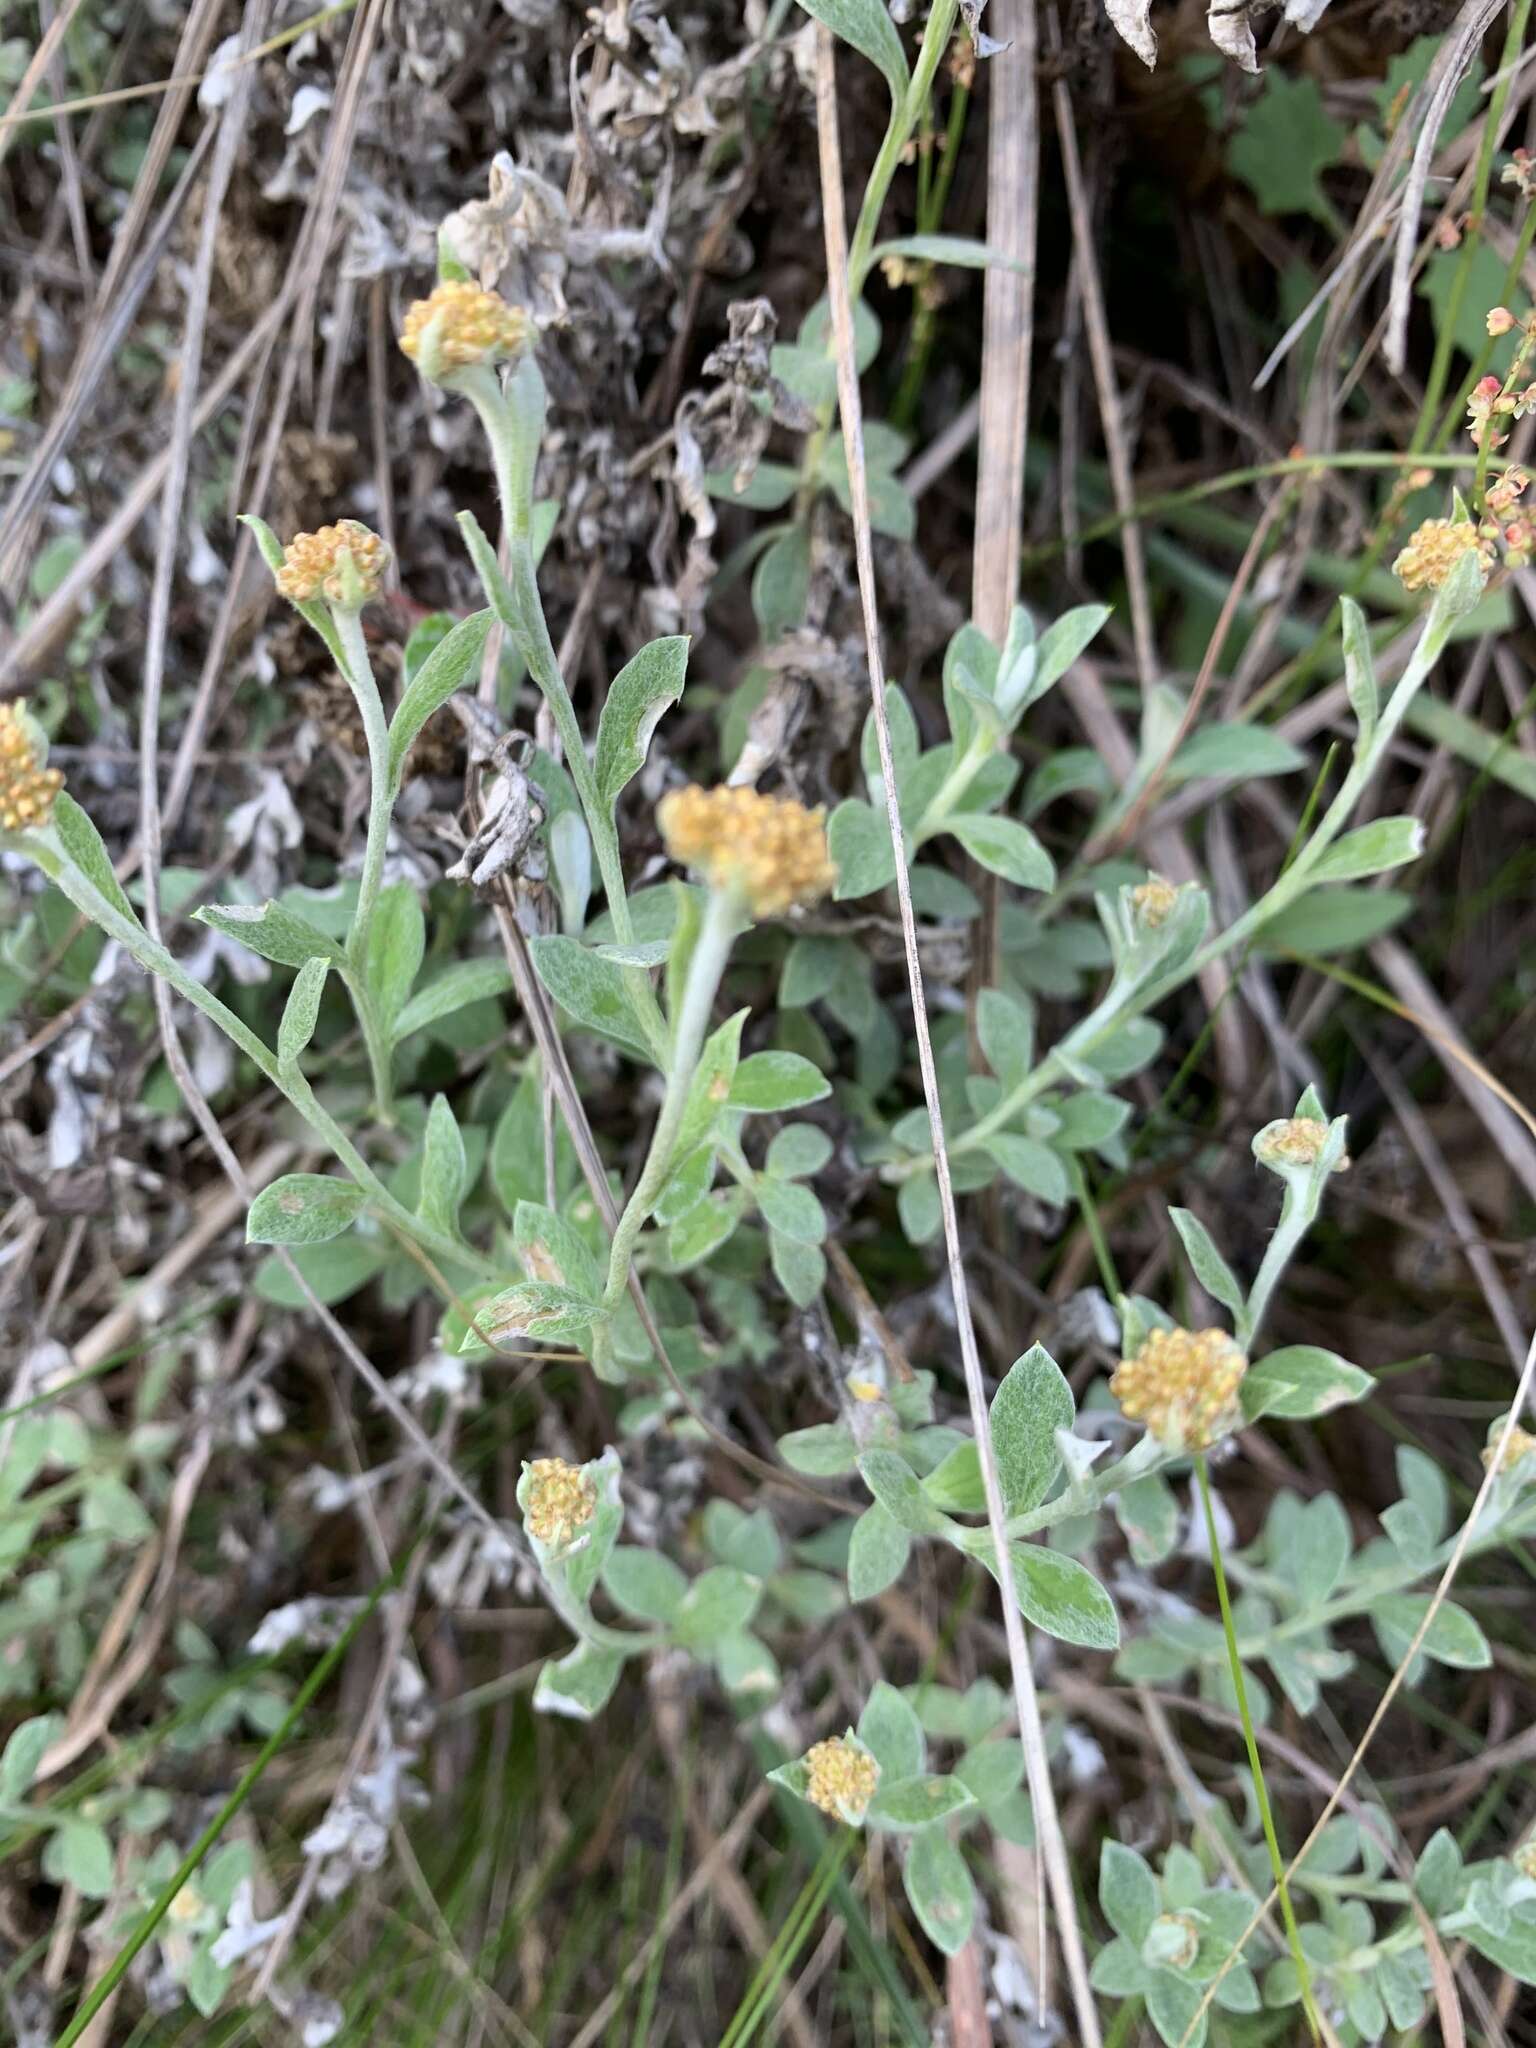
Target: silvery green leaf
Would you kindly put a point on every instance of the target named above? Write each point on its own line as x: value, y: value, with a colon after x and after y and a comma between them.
x: 1425, y: 1485
x: 798, y: 1151
x: 1172, y: 2003
x: 332, y: 1271
x: 271, y: 930
x: 781, y: 581
x: 1359, y: 670
x: 1031, y: 1404
x: 397, y: 939
x: 1454, y: 1637
x: 1118, y: 1970
x: 1337, y: 920
x: 1065, y: 773
x: 700, y: 1231
x: 1087, y: 1120
x: 1006, y: 848
x: 790, y: 1210
x: 1057, y: 648
x: 911, y: 1803
x: 458, y: 985
x: 958, y: 249
x: 877, y: 1551
x: 748, y: 1668
x: 83, y: 843
x: 1148, y: 1513
x: 750, y: 1542
x: 1300, y: 1383
x: 536, y: 1309
x: 552, y: 1249
x: 1437, y: 1878
x: 1056, y: 1593
x: 859, y: 846
x: 812, y: 966
x: 1030, y: 1165
x: 303, y: 1208
x: 867, y: 25
x: 644, y: 953
x: 79, y: 1852
x: 770, y: 484
x: 22, y: 1755
x: 1371, y: 850
x: 1226, y: 752
x: 1210, y: 1268
x: 1409, y: 1533
x: 1127, y: 1891
x: 892, y: 1733
x: 1318, y: 1547
x: 1006, y: 1030
x: 906, y: 748
x: 689, y: 1184
x: 301, y: 1010
x: 443, y: 1168
x: 824, y: 1451
x: 452, y: 663
x: 710, y: 1089
x: 917, y: 1204
x: 570, y: 857
x: 955, y: 1484
x: 644, y: 1583
x: 939, y: 1886
x: 640, y: 693
x: 799, y: 1268
x: 991, y: 1770
x: 769, y: 1081
x: 589, y: 989
x: 578, y: 1685
x: 719, y: 1601
x: 897, y: 1488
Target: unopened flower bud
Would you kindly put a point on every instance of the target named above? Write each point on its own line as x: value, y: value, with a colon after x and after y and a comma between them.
x: 1500, y: 321
x: 1173, y: 1941
x: 1154, y: 901
x: 1296, y: 1141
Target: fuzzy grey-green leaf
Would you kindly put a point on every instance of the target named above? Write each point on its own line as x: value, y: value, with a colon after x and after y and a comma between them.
x: 303, y: 1208
x: 647, y: 684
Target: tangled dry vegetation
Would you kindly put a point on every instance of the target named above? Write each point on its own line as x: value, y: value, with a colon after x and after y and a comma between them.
x: 575, y: 1468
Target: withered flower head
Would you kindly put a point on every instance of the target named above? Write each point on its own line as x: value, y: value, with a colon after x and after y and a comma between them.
x: 560, y: 1499
x: 1183, y: 1385
x: 316, y: 565
x: 27, y: 788
x: 468, y: 325
x: 1433, y: 551
x: 769, y: 848
x: 842, y: 1778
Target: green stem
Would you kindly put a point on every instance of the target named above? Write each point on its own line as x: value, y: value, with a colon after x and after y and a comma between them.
x: 1255, y: 1762
x: 722, y: 916
x: 51, y: 857
x: 359, y: 673
x: 512, y: 430
x: 906, y: 112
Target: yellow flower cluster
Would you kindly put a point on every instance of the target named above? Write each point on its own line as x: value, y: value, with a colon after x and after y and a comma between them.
x: 312, y: 564
x: 1183, y: 1385
x: 1153, y: 900
x: 1299, y: 1140
x: 561, y: 1499
x: 1516, y: 1451
x: 470, y: 326
x: 770, y: 849
x: 1524, y: 1859
x: 1433, y: 551
x: 27, y: 788
x: 842, y: 1778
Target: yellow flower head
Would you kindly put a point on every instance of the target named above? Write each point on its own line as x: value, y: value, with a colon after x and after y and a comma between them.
x: 1516, y: 1451
x: 313, y: 565
x: 1524, y: 1859
x: 1434, y: 549
x: 769, y: 848
x: 560, y: 1499
x: 842, y: 1778
x: 1299, y: 1140
x: 1183, y: 1385
x: 468, y: 325
x: 1153, y: 900
x: 27, y: 788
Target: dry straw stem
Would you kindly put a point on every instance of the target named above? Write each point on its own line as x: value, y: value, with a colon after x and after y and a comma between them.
x: 1047, y: 1825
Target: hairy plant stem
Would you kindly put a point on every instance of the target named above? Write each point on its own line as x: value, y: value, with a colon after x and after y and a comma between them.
x: 1255, y: 1761
x: 49, y: 853
x: 906, y: 112
x: 358, y: 670
x: 513, y: 423
x: 721, y: 921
